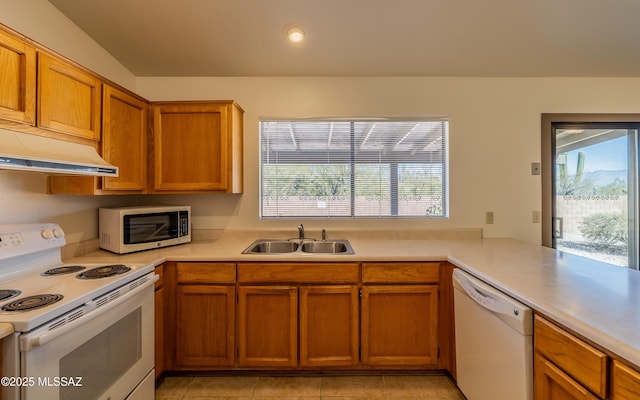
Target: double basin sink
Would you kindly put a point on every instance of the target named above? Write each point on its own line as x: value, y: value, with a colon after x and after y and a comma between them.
x: 299, y: 246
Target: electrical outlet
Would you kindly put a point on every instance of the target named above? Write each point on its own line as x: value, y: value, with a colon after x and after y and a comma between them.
x: 488, y: 217
x: 535, y: 217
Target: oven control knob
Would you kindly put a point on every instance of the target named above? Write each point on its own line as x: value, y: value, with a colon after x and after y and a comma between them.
x: 58, y: 232
x: 47, y: 233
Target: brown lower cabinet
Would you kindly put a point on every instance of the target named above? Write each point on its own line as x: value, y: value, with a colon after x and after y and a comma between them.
x: 329, y: 326
x: 625, y: 383
x: 303, y: 316
x: 204, y: 319
x: 205, y: 333
x: 566, y: 367
x: 271, y: 318
x: 349, y: 316
x: 400, y: 325
x: 581, y: 365
x: 267, y: 326
x: 298, y: 315
x: 551, y: 383
x: 400, y: 321
x: 159, y: 322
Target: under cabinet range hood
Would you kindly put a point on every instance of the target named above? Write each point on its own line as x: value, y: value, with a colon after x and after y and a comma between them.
x: 27, y: 152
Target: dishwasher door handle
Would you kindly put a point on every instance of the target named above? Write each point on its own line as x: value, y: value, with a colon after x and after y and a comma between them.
x: 509, y: 310
x: 484, y: 298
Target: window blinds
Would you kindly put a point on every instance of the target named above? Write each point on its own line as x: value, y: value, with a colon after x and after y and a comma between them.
x: 350, y: 169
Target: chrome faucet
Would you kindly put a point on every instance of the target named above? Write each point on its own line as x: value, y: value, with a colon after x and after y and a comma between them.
x: 324, y: 235
x: 300, y: 232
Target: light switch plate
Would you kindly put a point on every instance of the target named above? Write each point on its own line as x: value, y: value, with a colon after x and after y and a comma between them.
x: 535, y: 217
x: 488, y: 217
x: 535, y: 168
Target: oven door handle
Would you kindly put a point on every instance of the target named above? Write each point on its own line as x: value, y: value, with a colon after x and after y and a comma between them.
x: 28, y: 342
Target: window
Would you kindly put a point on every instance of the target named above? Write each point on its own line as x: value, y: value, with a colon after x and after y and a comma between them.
x: 590, y: 186
x: 351, y: 169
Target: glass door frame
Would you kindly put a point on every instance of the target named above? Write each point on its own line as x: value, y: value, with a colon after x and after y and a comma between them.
x: 547, y: 163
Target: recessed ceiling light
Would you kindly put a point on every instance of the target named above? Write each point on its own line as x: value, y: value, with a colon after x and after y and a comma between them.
x: 295, y: 35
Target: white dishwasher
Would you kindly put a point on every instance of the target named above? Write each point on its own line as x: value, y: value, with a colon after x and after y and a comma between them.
x: 494, y: 342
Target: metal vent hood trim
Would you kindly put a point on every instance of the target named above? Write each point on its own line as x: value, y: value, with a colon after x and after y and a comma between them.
x: 27, y: 152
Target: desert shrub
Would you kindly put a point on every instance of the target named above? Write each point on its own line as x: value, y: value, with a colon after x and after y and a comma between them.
x: 605, y: 229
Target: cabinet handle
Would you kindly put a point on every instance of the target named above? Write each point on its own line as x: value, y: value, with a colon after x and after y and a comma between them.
x: 558, y: 227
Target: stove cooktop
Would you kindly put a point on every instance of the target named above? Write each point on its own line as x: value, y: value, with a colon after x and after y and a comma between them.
x: 31, y: 271
x: 67, y: 288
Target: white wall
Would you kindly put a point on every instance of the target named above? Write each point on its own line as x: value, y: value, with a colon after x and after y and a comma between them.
x: 23, y: 199
x: 494, y: 136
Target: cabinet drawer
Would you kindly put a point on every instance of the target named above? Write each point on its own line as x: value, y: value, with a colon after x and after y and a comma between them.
x: 206, y: 273
x: 298, y: 273
x: 401, y: 272
x: 578, y: 359
x: 625, y: 383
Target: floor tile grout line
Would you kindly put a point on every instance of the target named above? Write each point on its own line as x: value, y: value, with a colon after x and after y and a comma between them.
x: 383, y: 393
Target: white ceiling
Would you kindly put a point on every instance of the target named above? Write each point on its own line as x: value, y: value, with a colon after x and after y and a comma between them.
x: 501, y: 38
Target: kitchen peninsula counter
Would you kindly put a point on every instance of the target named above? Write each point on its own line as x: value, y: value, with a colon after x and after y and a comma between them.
x: 595, y: 300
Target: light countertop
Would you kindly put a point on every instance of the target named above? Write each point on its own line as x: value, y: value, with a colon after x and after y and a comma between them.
x: 5, y: 330
x: 596, y: 300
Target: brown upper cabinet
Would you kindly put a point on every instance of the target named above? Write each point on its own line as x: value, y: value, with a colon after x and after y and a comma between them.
x: 18, y: 71
x: 68, y: 99
x: 197, y: 146
x: 124, y: 140
x: 124, y: 143
x: 189, y: 146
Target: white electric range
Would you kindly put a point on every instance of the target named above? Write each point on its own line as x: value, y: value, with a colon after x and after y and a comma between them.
x: 82, y: 331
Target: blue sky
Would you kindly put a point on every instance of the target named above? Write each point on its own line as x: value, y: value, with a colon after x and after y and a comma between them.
x: 609, y: 156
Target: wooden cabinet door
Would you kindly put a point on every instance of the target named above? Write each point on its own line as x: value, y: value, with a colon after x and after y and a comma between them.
x: 550, y: 383
x: 18, y: 88
x: 400, y: 325
x: 190, y: 147
x: 205, y: 326
x: 124, y: 140
x: 578, y: 359
x: 68, y: 99
x: 267, y: 326
x: 625, y: 383
x: 329, y: 320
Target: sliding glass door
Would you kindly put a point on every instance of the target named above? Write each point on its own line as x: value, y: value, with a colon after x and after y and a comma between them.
x: 594, y: 190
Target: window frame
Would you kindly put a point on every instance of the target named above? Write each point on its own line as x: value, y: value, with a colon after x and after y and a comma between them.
x: 393, y: 181
x: 548, y: 144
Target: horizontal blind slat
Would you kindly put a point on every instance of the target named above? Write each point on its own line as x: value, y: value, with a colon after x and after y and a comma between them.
x: 353, y: 168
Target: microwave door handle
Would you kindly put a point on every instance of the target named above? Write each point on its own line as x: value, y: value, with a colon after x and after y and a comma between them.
x: 29, y: 342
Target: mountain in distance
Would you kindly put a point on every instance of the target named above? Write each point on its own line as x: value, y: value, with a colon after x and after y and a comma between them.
x: 605, y: 177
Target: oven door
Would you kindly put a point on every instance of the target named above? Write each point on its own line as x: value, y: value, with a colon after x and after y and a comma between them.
x: 104, y: 354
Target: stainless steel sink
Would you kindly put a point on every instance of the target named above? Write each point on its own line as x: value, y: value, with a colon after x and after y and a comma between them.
x: 272, y: 247
x: 299, y: 246
x: 327, y: 247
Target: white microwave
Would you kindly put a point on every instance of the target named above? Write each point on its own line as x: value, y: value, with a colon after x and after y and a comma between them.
x: 129, y: 229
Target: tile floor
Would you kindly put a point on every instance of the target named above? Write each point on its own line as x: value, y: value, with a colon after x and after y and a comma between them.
x: 383, y: 387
